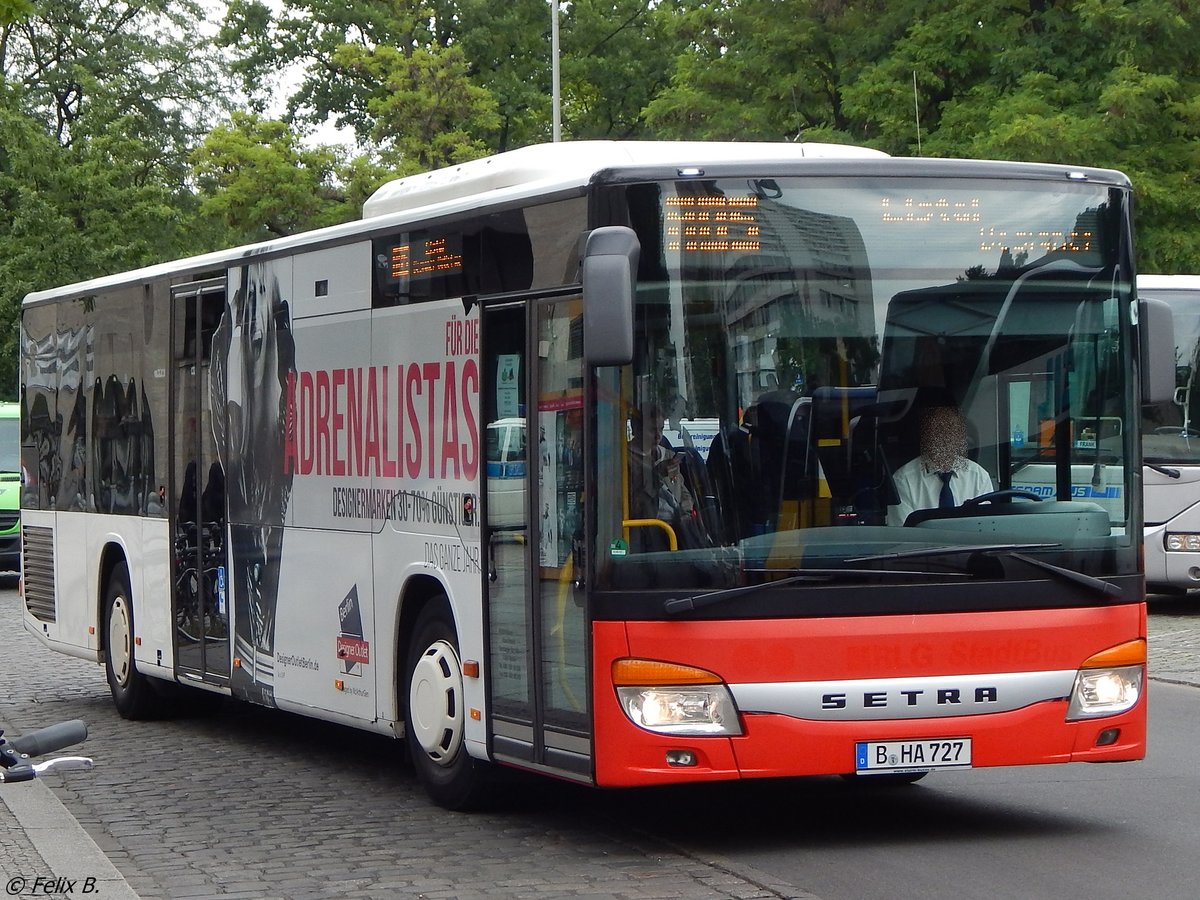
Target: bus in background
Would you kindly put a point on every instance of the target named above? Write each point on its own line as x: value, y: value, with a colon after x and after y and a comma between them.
x: 1171, y: 447
x: 412, y: 473
x: 10, y: 486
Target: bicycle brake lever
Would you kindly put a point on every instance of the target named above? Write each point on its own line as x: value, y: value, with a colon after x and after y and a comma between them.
x: 64, y: 764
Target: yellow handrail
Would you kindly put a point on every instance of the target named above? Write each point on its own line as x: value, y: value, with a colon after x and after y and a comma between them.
x: 672, y: 540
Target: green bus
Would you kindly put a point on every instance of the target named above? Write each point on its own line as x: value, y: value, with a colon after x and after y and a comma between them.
x: 10, y: 486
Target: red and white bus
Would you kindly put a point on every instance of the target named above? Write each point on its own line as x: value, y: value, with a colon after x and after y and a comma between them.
x: 275, y: 472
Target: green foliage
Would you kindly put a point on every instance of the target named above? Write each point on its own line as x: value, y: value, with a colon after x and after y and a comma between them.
x: 506, y: 47
x: 143, y: 59
x: 11, y: 10
x: 98, y: 105
x: 424, y: 111
x: 616, y: 56
x: 1109, y: 83
x: 765, y: 70
x: 258, y: 181
x: 110, y: 160
x: 75, y: 212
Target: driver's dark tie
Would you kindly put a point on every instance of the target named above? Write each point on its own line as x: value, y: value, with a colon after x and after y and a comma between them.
x: 946, y: 497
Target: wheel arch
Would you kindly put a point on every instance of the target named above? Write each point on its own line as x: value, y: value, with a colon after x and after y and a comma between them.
x: 111, y: 555
x: 419, y: 591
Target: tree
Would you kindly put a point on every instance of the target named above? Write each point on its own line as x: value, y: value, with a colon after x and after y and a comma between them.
x: 442, y: 81
x: 392, y: 73
x: 742, y: 74
x: 258, y: 181
x: 507, y: 49
x: 11, y: 10
x: 146, y: 59
x: 424, y: 111
x: 99, y: 103
x: 1089, y: 82
x: 617, y: 55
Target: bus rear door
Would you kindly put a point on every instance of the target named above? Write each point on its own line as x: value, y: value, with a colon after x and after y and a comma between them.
x: 198, y: 598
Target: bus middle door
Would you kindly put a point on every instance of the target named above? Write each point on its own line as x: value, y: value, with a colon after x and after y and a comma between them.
x: 532, y: 409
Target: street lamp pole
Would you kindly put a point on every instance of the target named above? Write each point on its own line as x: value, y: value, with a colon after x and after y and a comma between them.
x: 554, y: 70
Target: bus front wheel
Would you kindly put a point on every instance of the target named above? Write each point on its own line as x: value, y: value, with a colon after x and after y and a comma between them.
x: 132, y: 693
x: 435, y: 715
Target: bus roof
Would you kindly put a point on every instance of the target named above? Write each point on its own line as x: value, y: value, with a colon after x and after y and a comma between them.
x: 545, y: 168
x: 1168, y: 282
x: 537, y: 170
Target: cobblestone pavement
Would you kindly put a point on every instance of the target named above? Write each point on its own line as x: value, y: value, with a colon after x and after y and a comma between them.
x: 251, y: 803
x: 1174, y: 630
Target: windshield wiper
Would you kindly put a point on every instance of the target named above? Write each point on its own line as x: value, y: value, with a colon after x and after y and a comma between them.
x: 1096, y: 584
x: 1099, y: 585
x: 949, y: 549
x: 687, y: 604
x: 1161, y: 470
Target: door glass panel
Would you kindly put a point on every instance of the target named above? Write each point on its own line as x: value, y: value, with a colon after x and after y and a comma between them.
x: 507, y: 516
x: 559, y: 428
x: 201, y: 607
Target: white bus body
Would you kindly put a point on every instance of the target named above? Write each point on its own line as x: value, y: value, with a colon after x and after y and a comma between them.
x: 1171, y: 447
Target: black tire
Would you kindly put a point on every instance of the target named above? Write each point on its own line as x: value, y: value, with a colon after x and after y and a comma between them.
x: 133, y: 694
x: 435, y: 715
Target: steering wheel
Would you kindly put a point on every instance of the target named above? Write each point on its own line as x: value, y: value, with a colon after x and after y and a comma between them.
x: 1000, y: 495
x: 1177, y: 431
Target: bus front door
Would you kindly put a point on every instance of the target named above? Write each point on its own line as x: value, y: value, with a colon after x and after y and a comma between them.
x: 532, y: 409
x: 197, y: 508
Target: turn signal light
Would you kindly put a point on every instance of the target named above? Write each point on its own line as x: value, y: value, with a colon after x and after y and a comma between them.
x: 1131, y: 653
x: 649, y: 672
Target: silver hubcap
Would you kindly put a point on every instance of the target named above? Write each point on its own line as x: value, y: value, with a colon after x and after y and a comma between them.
x: 120, y: 642
x: 435, y: 703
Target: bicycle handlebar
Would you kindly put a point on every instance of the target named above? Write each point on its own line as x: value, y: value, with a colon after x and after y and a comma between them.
x: 51, y: 738
x: 16, y: 753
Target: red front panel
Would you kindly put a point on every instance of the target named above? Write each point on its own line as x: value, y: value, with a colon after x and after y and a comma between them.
x: 839, y: 649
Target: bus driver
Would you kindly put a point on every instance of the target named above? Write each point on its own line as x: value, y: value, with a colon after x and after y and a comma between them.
x: 942, y: 476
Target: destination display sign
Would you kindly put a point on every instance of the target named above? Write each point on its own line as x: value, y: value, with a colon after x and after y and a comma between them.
x: 434, y: 256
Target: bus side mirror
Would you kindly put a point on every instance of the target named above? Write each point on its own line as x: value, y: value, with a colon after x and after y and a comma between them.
x: 610, y: 261
x: 1156, y: 332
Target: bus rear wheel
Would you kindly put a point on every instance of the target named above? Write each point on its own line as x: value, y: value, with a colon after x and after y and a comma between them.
x: 133, y: 694
x: 435, y: 715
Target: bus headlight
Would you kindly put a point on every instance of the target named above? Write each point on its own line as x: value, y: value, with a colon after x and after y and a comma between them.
x: 668, y: 698
x: 1105, y: 692
x: 1109, y: 683
x: 1182, y: 541
x: 682, y: 710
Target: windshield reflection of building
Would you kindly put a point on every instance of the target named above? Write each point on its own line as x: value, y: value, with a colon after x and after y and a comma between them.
x: 783, y: 302
x: 808, y: 284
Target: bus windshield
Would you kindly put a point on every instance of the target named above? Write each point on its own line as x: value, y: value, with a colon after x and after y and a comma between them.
x: 852, y: 378
x: 1171, y: 431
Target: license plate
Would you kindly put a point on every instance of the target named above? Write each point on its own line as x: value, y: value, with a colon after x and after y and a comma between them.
x: 879, y: 757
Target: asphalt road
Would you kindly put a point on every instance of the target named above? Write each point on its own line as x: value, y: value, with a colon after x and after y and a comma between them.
x: 257, y: 803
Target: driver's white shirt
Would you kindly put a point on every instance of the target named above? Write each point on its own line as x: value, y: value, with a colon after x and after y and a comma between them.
x: 920, y: 487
